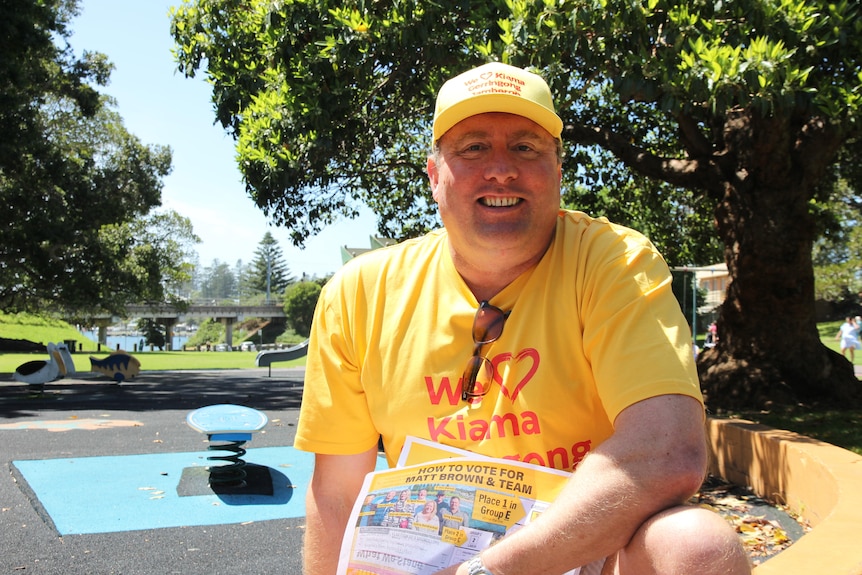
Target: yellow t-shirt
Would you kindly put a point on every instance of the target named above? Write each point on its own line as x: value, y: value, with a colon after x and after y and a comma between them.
x: 594, y: 328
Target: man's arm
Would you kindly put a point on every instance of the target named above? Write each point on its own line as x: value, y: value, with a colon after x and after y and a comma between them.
x: 335, y: 484
x: 656, y: 459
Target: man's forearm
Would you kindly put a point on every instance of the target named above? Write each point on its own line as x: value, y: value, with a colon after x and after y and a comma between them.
x: 323, y: 533
x: 615, y: 489
x: 335, y: 483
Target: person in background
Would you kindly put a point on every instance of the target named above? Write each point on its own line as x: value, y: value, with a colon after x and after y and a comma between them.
x: 561, y: 324
x: 848, y: 335
x: 711, y: 335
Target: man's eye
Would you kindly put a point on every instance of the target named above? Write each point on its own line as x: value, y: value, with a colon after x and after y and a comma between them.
x: 471, y: 149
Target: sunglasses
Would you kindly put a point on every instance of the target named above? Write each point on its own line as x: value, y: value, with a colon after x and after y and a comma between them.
x: 487, y: 328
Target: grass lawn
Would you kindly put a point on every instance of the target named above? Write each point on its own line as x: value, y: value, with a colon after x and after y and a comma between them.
x: 38, y: 329
x: 842, y: 428
x: 44, y: 330
x: 157, y: 360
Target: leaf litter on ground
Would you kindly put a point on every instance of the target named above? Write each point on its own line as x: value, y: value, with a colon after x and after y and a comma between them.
x: 765, y: 528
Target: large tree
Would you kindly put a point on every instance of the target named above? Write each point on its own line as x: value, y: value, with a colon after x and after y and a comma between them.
x: 268, y: 272
x: 300, y: 300
x: 76, y: 187
x: 837, y: 253
x: 742, y: 107
x: 218, y: 283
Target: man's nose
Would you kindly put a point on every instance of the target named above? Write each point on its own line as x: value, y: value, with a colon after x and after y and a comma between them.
x: 501, y: 167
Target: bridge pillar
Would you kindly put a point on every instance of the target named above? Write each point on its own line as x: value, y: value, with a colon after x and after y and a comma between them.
x: 169, y: 323
x: 228, y: 331
x: 102, y: 327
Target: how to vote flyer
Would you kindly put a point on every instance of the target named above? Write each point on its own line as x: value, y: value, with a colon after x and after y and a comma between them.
x: 440, y: 506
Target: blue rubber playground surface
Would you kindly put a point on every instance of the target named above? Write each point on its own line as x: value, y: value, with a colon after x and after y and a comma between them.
x: 141, y: 491
x: 109, y: 479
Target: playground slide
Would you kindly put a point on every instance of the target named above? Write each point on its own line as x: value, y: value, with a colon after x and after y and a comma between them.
x: 267, y: 357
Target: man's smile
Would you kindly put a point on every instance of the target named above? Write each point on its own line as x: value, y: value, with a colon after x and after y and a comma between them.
x: 499, y: 202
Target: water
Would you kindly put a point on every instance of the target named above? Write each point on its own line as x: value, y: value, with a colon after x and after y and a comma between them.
x: 128, y: 342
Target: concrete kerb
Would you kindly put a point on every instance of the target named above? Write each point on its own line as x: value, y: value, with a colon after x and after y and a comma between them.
x: 819, y: 481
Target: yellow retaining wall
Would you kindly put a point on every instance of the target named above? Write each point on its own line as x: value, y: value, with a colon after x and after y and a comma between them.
x: 819, y: 481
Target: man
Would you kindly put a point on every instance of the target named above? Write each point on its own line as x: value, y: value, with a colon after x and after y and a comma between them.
x: 454, y: 517
x: 442, y: 508
x: 400, y: 514
x: 577, y: 356
x: 382, y: 505
x: 366, y: 514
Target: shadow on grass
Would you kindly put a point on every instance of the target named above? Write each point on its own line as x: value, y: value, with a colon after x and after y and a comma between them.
x: 841, y: 428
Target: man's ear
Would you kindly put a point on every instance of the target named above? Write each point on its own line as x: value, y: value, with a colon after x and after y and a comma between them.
x: 431, y: 168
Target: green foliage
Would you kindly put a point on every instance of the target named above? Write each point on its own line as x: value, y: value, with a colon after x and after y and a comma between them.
x: 219, y: 283
x: 290, y: 337
x: 300, y: 300
x: 650, y: 82
x: 30, y: 320
x: 76, y: 187
x: 302, y: 120
x: 268, y: 273
x: 161, y: 360
x: 838, y: 427
x: 37, y: 328
x: 837, y: 254
x: 154, y: 334
x: 655, y: 77
x: 677, y: 115
x: 662, y: 213
x: 164, y: 249
x: 210, y: 331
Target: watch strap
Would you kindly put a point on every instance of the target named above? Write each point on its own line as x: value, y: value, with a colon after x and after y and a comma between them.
x: 476, y: 567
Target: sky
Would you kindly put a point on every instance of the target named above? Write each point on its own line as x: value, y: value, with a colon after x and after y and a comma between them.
x: 161, y: 106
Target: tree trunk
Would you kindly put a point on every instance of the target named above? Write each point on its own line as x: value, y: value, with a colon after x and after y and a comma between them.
x: 769, y: 351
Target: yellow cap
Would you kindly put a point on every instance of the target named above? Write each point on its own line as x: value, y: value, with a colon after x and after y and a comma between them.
x: 495, y: 87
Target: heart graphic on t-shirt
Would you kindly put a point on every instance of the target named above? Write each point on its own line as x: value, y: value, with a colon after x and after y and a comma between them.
x: 518, y: 368
x: 486, y: 75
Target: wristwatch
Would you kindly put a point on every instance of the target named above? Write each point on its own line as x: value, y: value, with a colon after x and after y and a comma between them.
x: 476, y: 567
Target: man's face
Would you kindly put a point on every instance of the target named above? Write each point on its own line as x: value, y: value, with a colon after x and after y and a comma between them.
x: 496, y: 181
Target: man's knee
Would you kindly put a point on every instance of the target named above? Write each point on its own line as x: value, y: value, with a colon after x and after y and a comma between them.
x: 685, y: 540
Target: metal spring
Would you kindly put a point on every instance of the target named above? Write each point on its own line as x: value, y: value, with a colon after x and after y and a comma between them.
x: 230, y: 474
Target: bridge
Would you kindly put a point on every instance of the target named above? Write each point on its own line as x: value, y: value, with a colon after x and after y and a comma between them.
x: 169, y: 316
x: 205, y: 311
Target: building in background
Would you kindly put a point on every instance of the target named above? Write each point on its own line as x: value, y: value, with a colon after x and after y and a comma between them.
x: 348, y: 254
x: 714, y: 281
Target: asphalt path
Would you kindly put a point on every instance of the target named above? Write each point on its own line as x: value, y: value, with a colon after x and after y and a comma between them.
x: 89, y: 419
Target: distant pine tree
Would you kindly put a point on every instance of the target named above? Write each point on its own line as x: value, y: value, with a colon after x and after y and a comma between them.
x: 154, y: 333
x: 268, y: 273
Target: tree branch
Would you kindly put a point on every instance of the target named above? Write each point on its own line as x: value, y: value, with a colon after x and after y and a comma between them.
x: 699, y: 173
x: 696, y: 143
